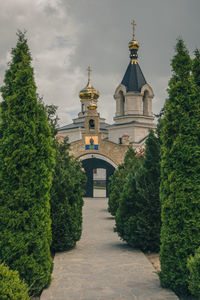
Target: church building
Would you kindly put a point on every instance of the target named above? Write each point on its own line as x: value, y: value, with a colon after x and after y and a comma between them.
x: 101, y: 145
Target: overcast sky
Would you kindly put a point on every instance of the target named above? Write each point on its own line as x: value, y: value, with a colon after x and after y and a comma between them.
x: 66, y: 36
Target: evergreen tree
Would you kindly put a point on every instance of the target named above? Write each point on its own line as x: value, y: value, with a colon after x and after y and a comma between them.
x: 196, y: 73
x: 118, y: 179
x: 138, y: 217
x: 11, y: 287
x: 128, y: 197
x: 160, y: 117
x: 26, y: 165
x: 52, y: 118
x: 146, y: 224
x: 180, y: 169
x: 66, y: 199
x: 66, y: 192
x: 115, y: 187
x: 193, y: 266
x: 193, y: 262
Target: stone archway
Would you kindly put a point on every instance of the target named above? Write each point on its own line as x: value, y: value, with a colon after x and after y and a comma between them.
x: 91, y: 162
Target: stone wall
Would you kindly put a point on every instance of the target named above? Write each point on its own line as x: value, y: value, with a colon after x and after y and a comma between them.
x: 114, y: 152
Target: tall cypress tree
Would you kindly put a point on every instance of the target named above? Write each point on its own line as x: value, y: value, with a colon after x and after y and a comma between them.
x: 180, y: 169
x: 66, y: 192
x: 128, y: 198
x: 66, y: 199
x: 138, y: 216
x: 118, y: 179
x: 196, y: 72
x: 26, y: 163
x: 193, y: 263
x: 115, y: 187
x: 146, y: 223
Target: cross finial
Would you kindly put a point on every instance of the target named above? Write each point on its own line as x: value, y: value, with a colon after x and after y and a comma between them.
x: 89, y: 71
x: 133, y: 24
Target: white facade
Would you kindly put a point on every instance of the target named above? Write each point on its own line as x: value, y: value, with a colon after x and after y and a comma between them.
x: 73, y: 134
x: 133, y: 116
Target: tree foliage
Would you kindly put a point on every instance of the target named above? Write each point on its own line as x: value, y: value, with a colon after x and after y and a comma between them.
x: 26, y: 165
x: 52, y: 118
x: 147, y: 223
x: 115, y: 187
x: 66, y: 198
x: 11, y: 287
x: 124, y: 210
x: 66, y: 192
x: 193, y: 266
x: 138, y: 217
x: 127, y: 207
x: 118, y: 179
x: 180, y: 169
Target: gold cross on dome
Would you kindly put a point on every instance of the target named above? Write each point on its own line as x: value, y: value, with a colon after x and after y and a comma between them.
x: 133, y: 24
x: 89, y: 71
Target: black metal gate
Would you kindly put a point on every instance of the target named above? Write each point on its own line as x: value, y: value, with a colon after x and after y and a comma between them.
x: 94, y: 163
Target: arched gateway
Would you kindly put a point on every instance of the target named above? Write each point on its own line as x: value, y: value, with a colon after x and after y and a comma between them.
x: 98, y: 169
x: 100, y: 146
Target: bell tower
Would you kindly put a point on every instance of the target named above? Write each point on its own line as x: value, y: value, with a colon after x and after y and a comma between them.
x: 87, y: 94
x: 134, y: 95
x: 92, y: 119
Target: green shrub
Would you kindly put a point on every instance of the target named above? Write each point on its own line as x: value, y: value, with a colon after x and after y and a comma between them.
x: 26, y: 166
x: 11, y: 287
x: 127, y: 207
x: 115, y: 187
x: 193, y: 265
x: 180, y: 169
x: 66, y: 199
x: 117, y: 181
x: 138, y: 217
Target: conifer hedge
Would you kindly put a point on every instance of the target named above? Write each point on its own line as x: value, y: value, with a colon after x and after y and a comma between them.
x: 26, y: 166
x: 115, y: 187
x: 126, y: 206
x: 180, y: 169
x: 193, y: 266
x: 66, y: 199
x: 11, y: 287
x: 117, y: 181
x: 138, y: 217
x: 146, y: 223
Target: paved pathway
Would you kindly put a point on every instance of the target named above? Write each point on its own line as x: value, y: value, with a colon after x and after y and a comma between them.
x: 102, y: 267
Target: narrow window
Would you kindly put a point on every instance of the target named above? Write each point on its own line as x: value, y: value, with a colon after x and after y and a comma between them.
x: 91, y: 124
x: 145, y: 103
x: 121, y: 103
x: 83, y: 108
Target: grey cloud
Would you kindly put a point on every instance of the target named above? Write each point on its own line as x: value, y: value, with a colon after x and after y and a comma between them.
x: 65, y: 36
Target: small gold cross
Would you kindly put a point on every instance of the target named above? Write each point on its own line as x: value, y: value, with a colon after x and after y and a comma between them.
x: 133, y: 24
x: 89, y: 71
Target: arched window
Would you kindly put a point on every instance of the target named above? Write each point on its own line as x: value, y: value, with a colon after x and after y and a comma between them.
x: 146, y: 103
x: 91, y: 124
x: 121, y: 103
x: 83, y: 108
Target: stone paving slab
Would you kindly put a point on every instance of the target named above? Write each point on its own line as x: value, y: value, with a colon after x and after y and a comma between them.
x: 102, y: 267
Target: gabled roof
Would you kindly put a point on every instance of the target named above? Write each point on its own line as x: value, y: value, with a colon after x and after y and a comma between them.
x: 72, y: 126
x: 81, y: 125
x: 133, y: 79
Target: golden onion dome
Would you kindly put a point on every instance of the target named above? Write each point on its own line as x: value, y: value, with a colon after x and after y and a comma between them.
x: 92, y: 105
x: 133, y: 44
x: 89, y: 92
